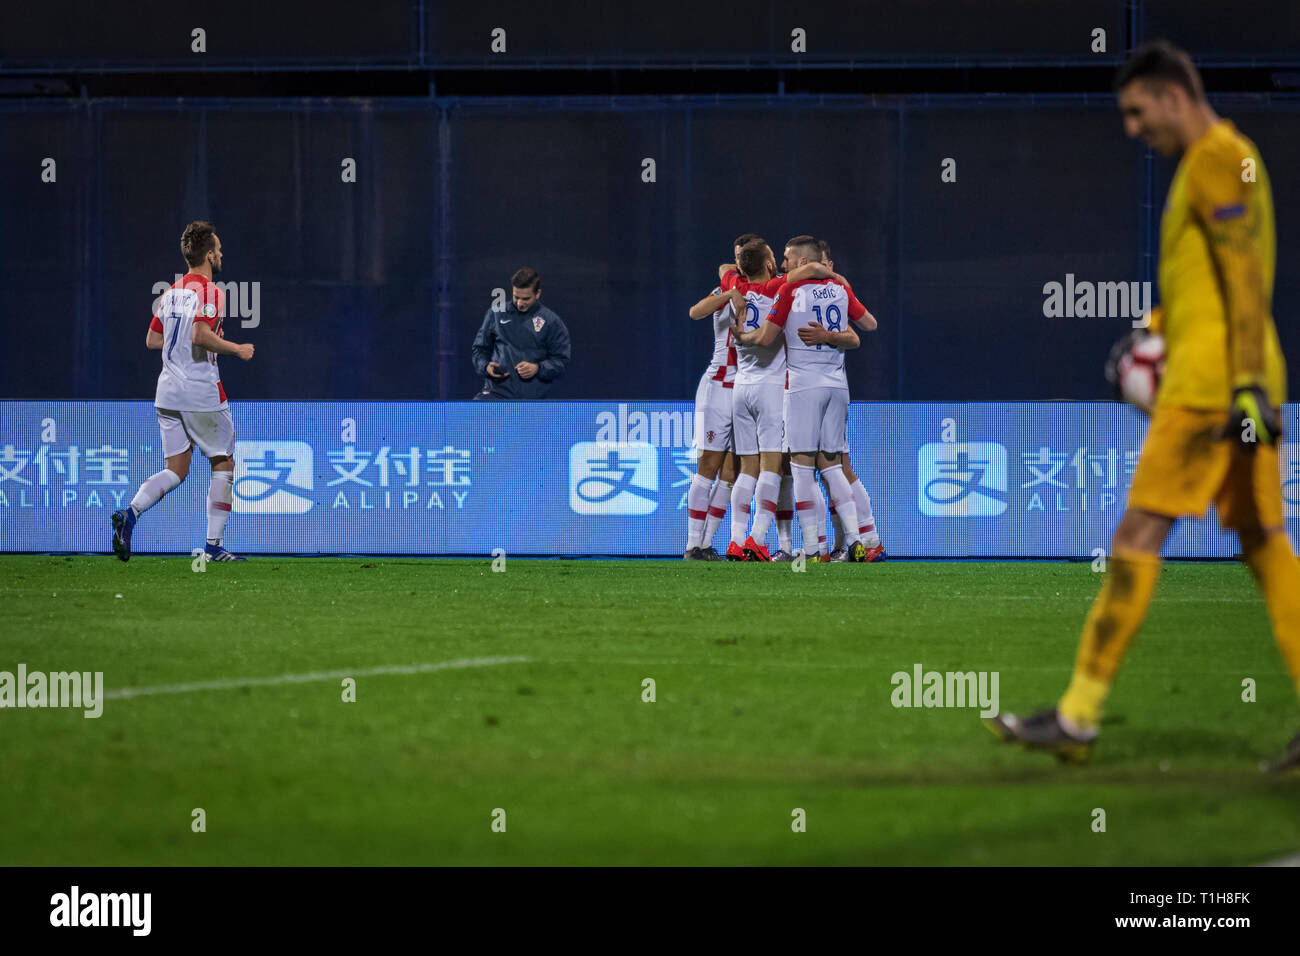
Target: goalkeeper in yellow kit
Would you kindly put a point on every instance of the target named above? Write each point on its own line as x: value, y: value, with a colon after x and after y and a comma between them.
x: 1214, y: 429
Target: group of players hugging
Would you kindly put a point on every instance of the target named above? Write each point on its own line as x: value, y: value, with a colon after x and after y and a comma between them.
x: 771, y: 410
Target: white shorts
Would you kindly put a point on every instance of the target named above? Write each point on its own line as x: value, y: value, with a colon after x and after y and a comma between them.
x: 213, y: 432
x: 757, y: 422
x: 712, y: 415
x: 817, y: 419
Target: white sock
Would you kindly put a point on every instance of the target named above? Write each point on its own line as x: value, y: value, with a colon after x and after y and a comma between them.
x: 741, y: 494
x: 766, y: 491
x: 718, y: 503
x: 153, y: 489
x: 842, y: 499
x: 866, y: 520
x: 785, y: 513
x: 839, y: 526
x: 819, y: 508
x: 805, y: 506
x: 697, y: 509
x: 219, y: 495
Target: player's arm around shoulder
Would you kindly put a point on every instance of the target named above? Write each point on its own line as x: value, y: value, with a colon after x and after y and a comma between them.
x: 858, y: 314
x: 773, y: 326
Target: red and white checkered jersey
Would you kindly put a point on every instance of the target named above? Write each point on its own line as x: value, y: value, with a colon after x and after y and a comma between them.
x: 828, y: 303
x: 722, y: 366
x: 757, y: 363
x: 189, y: 381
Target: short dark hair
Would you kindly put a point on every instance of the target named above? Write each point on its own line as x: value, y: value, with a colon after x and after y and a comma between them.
x: 1161, y: 63
x: 745, y: 238
x: 824, y: 248
x: 527, y: 278
x: 198, y: 239
x: 753, y: 257
x: 807, y: 243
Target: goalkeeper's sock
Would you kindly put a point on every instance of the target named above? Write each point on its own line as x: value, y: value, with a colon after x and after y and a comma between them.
x: 219, y: 495
x: 1278, y: 574
x: 742, y: 492
x: 866, y: 520
x: 842, y: 500
x: 697, y: 510
x: 805, y: 486
x: 785, y: 514
x: 1116, y: 615
x: 766, y: 490
x: 718, y: 503
x: 153, y: 490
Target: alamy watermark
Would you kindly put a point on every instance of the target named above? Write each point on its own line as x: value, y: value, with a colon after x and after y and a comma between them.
x: 75, y: 689
x: 1083, y: 299
x: 242, y: 300
x: 922, y: 688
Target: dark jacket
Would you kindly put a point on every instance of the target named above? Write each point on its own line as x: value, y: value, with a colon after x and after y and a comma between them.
x: 510, y: 337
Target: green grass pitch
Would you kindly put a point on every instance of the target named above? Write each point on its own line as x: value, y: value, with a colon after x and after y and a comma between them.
x: 773, y: 692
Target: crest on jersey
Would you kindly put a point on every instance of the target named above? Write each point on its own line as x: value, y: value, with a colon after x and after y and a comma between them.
x: 708, y: 436
x: 538, y: 322
x: 210, y: 311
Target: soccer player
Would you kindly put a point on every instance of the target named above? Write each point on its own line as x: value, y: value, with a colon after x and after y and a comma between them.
x: 713, y: 428
x: 875, y: 551
x: 809, y: 316
x: 190, y: 401
x: 757, y: 424
x: 1214, y: 428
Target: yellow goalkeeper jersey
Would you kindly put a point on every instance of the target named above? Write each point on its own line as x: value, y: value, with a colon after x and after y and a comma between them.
x: 1217, y: 255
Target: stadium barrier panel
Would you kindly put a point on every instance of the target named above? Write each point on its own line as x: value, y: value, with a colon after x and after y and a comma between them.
x: 1030, y: 480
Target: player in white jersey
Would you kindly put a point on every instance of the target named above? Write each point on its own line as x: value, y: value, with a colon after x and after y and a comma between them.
x: 756, y: 418
x: 190, y: 400
x: 875, y: 551
x: 812, y: 318
x: 713, y: 428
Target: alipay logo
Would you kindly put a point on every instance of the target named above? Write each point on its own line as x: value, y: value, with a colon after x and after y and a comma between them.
x: 271, y: 476
x: 961, y: 479
x: 613, y: 478
x: 1289, y: 455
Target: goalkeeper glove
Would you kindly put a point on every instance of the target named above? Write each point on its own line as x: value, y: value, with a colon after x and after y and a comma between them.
x: 1253, y: 419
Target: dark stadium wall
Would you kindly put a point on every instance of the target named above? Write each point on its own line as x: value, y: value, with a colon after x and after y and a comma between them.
x: 373, y: 289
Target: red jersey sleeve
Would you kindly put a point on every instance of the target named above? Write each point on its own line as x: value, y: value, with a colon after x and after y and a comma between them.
x: 155, y: 325
x: 209, y: 307
x: 856, y: 309
x: 781, y: 307
x: 729, y: 280
x: 773, y: 285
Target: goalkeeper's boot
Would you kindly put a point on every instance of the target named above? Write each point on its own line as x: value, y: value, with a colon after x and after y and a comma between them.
x: 782, y: 555
x: 857, y: 552
x: 734, y: 553
x: 708, y: 554
x: 754, y: 551
x: 216, y: 552
x: 875, y: 554
x: 693, y: 554
x: 1288, y: 762
x: 1043, y: 731
x: 123, y: 524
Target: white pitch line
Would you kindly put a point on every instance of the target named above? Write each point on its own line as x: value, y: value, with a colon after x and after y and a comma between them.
x: 126, y: 693
x: 1285, y: 861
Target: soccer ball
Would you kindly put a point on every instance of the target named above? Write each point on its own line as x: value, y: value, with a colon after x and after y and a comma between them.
x: 1135, y: 367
